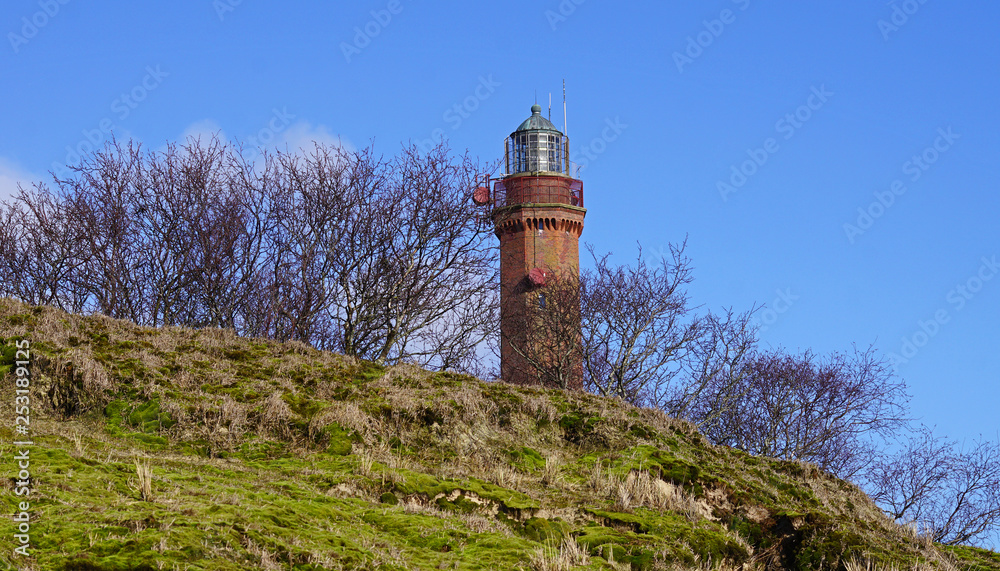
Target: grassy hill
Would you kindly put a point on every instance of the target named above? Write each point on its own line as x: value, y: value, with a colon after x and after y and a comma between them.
x: 182, y: 449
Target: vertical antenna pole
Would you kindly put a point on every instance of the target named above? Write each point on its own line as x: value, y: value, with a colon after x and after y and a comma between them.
x: 565, y: 128
x: 550, y: 106
x: 506, y: 156
x: 565, y: 131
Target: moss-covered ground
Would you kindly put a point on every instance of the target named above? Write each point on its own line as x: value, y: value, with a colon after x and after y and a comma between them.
x: 174, y: 448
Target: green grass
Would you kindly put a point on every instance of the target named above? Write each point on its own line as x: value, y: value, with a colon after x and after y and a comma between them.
x: 277, y: 456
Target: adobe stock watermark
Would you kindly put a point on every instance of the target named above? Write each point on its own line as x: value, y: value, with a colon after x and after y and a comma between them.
x: 613, y: 128
x: 22, y: 445
x: 456, y: 115
x: 563, y: 11
x: 902, y: 11
x: 33, y: 24
x: 122, y: 107
x: 364, y: 35
x: 787, y: 127
x: 770, y: 313
x: 280, y: 120
x: 223, y: 7
x: 656, y: 257
x: 915, y: 168
x: 956, y: 299
x: 698, y: 43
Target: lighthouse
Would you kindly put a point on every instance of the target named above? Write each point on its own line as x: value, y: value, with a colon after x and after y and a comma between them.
x: 538, y: 216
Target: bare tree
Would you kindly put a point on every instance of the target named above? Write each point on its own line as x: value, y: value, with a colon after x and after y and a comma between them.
x: 380, y: 259
x: 824, y: 411
x: 715, y: 380
x: 405, y: 261
x: 225, y: 229
x: 440, y: 258
x: 41, y: 250
x: 637, y: 326
x: 190, y: 229
x: 462, y: 339
x: 325, y: 209
x: 104, y: 198
x: 10, y: 242
x: 951, y: 493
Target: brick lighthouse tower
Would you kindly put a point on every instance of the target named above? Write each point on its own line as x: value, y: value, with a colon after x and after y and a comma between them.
x: 538, y: 215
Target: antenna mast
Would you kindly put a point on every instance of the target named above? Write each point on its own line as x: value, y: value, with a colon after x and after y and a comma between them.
x: 550, y: 106
x: 565, y: 128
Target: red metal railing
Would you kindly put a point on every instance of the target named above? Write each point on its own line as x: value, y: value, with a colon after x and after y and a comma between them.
x: 537, y: 189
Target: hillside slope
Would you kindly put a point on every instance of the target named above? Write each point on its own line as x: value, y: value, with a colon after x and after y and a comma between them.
x: 181, y: 449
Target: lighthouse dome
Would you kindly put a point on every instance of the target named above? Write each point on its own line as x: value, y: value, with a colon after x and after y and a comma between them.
x: 537, y: 147
x: 536, y: 122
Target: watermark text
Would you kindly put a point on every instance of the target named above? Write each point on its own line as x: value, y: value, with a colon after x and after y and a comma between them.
x: 562, y: 12
x: 363, y: 35
x: 956, y: 300
x: 22, y: 446
x: 914, y: 168
x: 713, y: 29
x: 32, y: 25
x: 902, y: 11
x: 786, y: 128
x: 121, y: 108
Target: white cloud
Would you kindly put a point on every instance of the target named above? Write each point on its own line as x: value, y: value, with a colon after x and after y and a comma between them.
x: 301, y: 136
x: 204, y: 129
x: 10, y: 175
x: 279, y: 133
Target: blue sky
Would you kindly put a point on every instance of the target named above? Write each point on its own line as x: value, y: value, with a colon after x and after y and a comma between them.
x: 760, y: 130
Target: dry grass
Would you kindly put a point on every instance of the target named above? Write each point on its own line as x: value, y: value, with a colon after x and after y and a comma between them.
x: 392, y: 458
x: 274, y: 418
x: 540, y: 408
x: 559, y: 558
x: 232, y: 416
x: 79, y: 448
x: 366, y: 461
x: 349, y: 416
x: 639, y: 488
x: 863, y: 564
x: 144, y: 480
x: 475, y: 522
x: 471, y: 405
x: 504, y: 475
x: 599, y: 481
x: 552, y: 473
x: 267, y: 561
x: 609, y: 555
x: 406, y: 372
x: 77, y: 382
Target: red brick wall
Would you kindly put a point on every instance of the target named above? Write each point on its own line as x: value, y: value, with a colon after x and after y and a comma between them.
x: 533, y: 235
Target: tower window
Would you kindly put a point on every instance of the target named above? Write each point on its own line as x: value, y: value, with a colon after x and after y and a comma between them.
x: 541, y: 301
